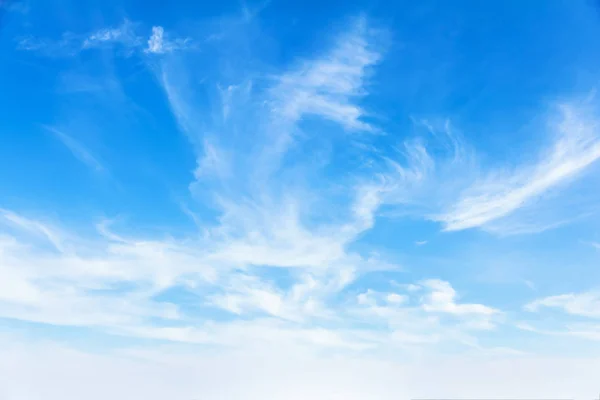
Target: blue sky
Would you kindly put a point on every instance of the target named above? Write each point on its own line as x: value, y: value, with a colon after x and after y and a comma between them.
x: 400, y: 183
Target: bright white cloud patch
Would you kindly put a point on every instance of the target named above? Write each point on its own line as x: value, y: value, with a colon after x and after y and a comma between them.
x: 158, y: 43
x: 442, y: 298
x: 155, y: 43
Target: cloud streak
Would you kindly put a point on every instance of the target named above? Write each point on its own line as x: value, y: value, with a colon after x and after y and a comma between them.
x: 328, y: 86
x: 439, y: 177
x: 575, y: 148
x: 585, y: 304
x: 126, y: 37
x: 77, y: 149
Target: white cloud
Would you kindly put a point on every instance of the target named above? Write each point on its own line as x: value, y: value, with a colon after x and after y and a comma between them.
x: 260, y: 226
x: 569, y: 331
x: 155, y: 43
x: 438, y: 176
x: 442, y: 298
x: 276, y: 236
x: 71, y: 44
x: 425, y: 316
x: 78, y: 150
x: 585, y: 304
x: 575, y: 148
x: 395, y: 298
x: 111, y: 284
x: 587, y: 331
x: 410, y: 287
x: 33, y: 227
x: 246, y: 293
x: 214, y: 162
x: 374, y: 299
x: 328, y: 86
x: 103, y: 284
x: 415, y: 182
x: 124, y: 34
x: 68, y: 45
x: 158, y: 43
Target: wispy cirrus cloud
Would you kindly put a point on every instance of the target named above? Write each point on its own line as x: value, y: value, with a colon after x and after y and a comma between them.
x: 65, y: 46
x: 77, y: 149
x: 439, y: 177
x: 333, y: 80
x: 575, y: 147
x: 586, y: 331
x: 330, y: 86
x: 126, y: 37
x: 33, y: 227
